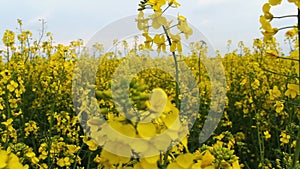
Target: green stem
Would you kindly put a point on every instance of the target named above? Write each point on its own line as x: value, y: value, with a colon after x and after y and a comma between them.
x: 89, y: 160
x: 7, y: 105
x: 176, y: 70
x: 79, y: 151
x: 49, y: 144
x: 28, y: 47
x: 296, y: 157
x: 276, y: 73
x: 219, y: 164
x: 292, y: 59
x: 260, y: 142
x: 160, y: 164
x: 51, y: 123
x: 169, y: 28
x: 166, y: 159
x: 165, y: 9
x: 7, y: 57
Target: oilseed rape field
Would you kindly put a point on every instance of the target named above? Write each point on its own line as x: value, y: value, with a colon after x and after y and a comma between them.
x: 155, y: 104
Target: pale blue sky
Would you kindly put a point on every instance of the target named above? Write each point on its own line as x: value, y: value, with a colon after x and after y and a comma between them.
x: 218, y: 20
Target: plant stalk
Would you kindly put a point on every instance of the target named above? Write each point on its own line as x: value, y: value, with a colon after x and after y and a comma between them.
x: 176, y: 70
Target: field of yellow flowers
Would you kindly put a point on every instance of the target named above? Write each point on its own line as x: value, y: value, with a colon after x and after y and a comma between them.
x: 41, y: 129
x: 67, y: 106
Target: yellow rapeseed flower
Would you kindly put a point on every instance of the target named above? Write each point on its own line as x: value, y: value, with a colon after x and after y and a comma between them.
x: 207, y: 159
x: 272, y: 53
x: 279, y: 106
x: 146, y: 129
x: 274, y: 93
x: 294, y: 143
x: 284, y: 138
x: 8, y: 38
x: 8, y: 122
x: 158, y: 20
x: 159, y: 40
x: 14, y: 162
x: 267, y: 134
x: 10, y: 160
x: 12, y: 86
x: 64, y: 162
x: 156, y: 4
x: 91, y: 143
x: 185, y: 160
x: 275, y: 2
x: 292, y: 90
x: 174, y: 3
x: 3, y: 159
x: 236, y: 165
x: 265, y: 24
x: 142, y: 22
x: 268, y: 32
x: 255, y: 85
x: 183, y: 26
x: 148, y: 41
x: 176, y: 43
x: 266, y: 9
x: 158, y: 100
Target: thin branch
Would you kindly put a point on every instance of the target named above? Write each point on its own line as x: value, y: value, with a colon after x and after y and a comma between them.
x: 287, y: 27
x: 176, y: 70
x: 280, y: 57
x: 166, y: 9
x: 42, y: 31
x: 285, y: 16
x: 276, y: 73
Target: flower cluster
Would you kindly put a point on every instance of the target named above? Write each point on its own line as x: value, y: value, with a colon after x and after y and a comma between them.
x: 265, y: 20
x: 158, y: 21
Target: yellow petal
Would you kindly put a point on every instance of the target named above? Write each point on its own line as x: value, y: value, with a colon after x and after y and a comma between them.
x: 152, y: 160
x: 266, y: 8
x: 162, y: 142
x: 174, y: 166
x: 207, y: 159
x: 146, y: 165
x: 14, y: 162
x: 3, y: 158
x: 146, y: 130
x: 196, y: 166
x: 185, y: 160
x: 294, y: 87
x: 275, y: 2
x: 113, y: 159
x: 125, y: 129
x: 173, y: 47
x: 236, y: 165
x: 140, y: 145
x: 158, y: 100
x: 179, y: 47
x: 156, y: 39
